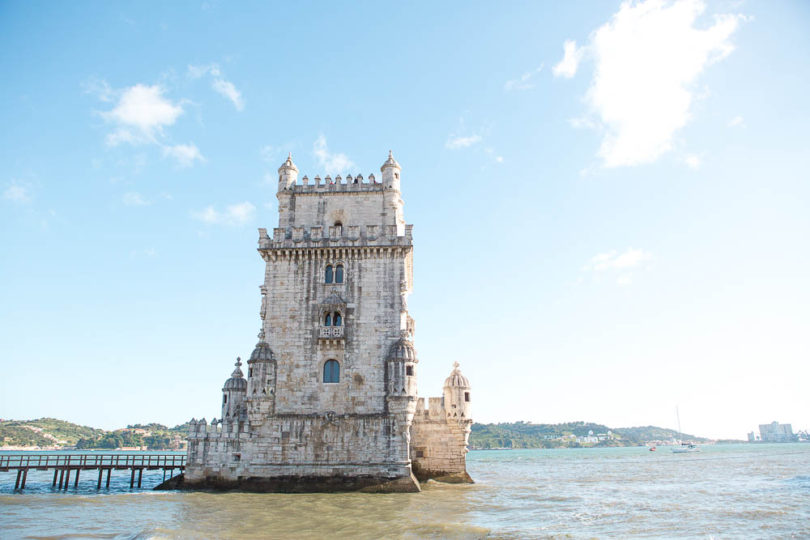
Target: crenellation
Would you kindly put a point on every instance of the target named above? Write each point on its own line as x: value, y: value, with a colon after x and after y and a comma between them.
x: 330, y: 400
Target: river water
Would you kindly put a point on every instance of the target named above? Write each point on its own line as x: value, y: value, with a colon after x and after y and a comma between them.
x: 725, y: 491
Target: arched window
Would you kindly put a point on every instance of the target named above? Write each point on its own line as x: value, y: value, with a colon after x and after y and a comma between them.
x: 329, y: 273
x: 327, y: 321
x: 339, y: 274
x: 338, y: 319
x: 331, y: 371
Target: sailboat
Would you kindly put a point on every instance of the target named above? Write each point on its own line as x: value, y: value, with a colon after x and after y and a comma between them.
x: 683, y: 448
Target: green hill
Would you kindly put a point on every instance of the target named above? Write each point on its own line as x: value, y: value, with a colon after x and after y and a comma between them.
x: 43, y: 432
x: 653, y: 433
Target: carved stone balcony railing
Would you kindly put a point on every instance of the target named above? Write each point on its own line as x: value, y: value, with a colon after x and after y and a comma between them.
x: 331, y: 332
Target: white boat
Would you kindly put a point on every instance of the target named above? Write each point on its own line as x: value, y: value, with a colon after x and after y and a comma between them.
x: 683, y: 448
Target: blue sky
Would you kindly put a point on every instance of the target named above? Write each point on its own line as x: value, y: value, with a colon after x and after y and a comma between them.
x: 611, y: 201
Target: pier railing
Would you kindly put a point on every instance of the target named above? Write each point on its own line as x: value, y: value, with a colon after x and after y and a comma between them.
x: 91, y: 461
x: 65, y: 464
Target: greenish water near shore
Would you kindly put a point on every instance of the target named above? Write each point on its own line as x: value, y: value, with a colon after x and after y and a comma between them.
x: 725, y: 491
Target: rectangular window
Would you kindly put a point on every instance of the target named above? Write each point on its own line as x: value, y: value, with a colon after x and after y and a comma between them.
x: 466, y: 396
x: 409, y: 371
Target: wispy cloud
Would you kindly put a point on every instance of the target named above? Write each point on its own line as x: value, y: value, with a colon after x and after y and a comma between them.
x: 572, y: 55
x: 184, y: 154
x: 219, y: 83
x: 524, y: 82
x: 17, y: 193
x: 331, y: 162
x: 614, y: 260
x: 133, y: 198
x: 140, y: 115
x: 647, y: 57
x: 235, y: 214
x: 692, y: 161
x: 462, y: 141
x: 620, y: 264
x: 737, y: 121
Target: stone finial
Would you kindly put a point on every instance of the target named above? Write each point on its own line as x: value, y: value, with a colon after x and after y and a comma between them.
x: 261, y: 335
x: 455, y: 366
x: 237, y: 373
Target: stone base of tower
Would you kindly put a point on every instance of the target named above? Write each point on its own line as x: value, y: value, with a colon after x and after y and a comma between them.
x: 298, y: 484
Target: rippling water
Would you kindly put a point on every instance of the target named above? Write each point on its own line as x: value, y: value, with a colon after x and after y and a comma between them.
x: 725, y: 491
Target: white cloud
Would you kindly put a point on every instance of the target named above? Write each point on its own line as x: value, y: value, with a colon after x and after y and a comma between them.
x: 572, y: 55
x: 141, y: 114
x: 524, y: 82
x: 647, y: 58
x: 220, y: 85
x: 461, y: 141
x: 235, y: 214
x: 185, y: 154
x: 613, y: 260
x: 330, y: 163
x: 692, y: 161
x: 737, y: 121
x: 133, y: 198
x: 17, y: 193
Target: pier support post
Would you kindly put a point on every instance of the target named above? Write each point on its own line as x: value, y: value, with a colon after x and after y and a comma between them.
x: 100, y: 473
x: 55, y: 474
x: 140, y: 476
x: 132, y: 478
x: 61, y: 477
x: 67, y: 478
x: 24, y: 478
x: 17, y: 483
x: 108, y: 477
x: 76, y: 481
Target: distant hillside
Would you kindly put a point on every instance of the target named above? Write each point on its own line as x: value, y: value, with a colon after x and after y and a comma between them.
x: 50, y: 432
x: 653, y: 433
x: 43, y: 432
x: 526, y: 435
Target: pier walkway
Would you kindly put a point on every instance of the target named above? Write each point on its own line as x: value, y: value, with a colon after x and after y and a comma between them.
x: 65, y: 465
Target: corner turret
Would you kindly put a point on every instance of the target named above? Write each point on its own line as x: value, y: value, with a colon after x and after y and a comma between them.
x: 287, y: 174
x: 457, y: 395
x: 390, y: 172
x: 233, y: 392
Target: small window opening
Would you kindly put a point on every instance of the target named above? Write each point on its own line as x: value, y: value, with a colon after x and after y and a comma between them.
x: 466, y: 396
x: 338, y: 319
x: 409, y: 371
x: 328, y: 320
x: 420, y: 453
x: 331, y: 371
x: 329, y: 274
x: 339, y: 274
x: 224, y: 399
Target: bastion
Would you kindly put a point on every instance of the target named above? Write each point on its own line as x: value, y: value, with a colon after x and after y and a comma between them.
x: 330, y: 400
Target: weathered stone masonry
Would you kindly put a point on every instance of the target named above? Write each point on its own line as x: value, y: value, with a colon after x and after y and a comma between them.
x: 330, y: 401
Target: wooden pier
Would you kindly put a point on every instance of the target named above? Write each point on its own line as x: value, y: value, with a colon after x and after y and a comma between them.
x: 66, y: 465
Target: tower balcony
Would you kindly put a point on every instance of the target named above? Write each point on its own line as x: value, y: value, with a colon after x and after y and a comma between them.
x: 331, y: 332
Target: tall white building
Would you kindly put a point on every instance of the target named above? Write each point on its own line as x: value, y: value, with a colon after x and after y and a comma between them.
x: 776, y: 432
x: 330, y: 401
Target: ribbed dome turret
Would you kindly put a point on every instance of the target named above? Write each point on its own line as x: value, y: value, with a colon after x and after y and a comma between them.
x: 237, y: 380
x: 262, y: 352
x: 456, y: 379
x: 288, y: 164
x: 390, y: 162
x: 402, y: 350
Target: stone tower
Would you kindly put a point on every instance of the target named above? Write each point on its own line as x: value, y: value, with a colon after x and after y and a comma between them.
x: 331, y: 398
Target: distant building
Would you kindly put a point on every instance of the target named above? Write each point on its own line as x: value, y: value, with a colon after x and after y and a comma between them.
x: 752, y: 437
x: 776, y: 432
